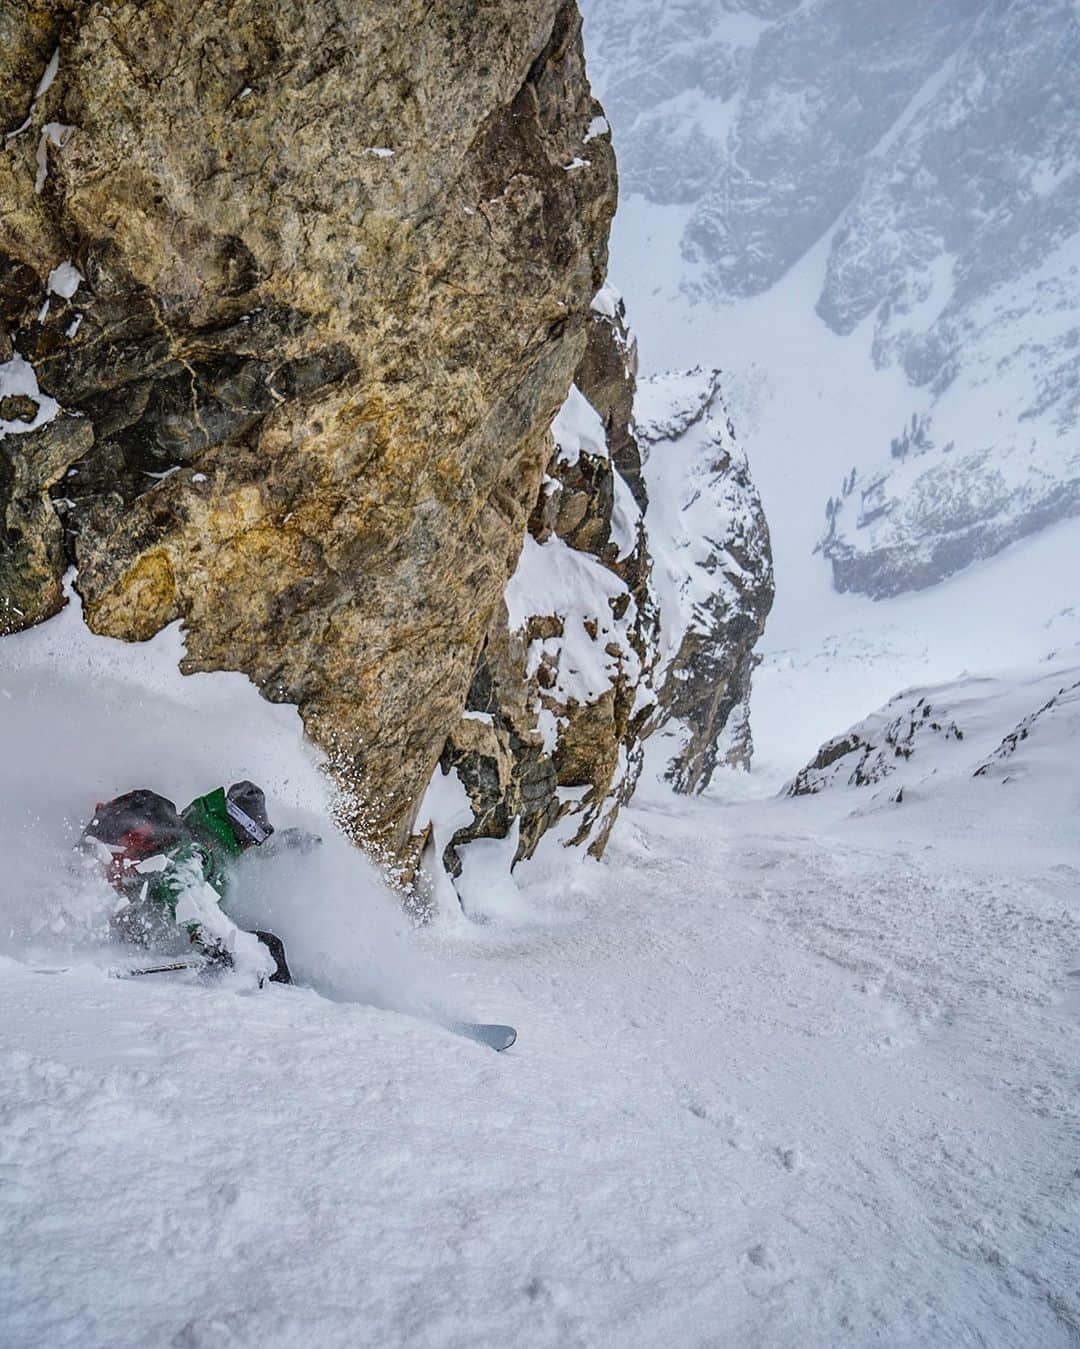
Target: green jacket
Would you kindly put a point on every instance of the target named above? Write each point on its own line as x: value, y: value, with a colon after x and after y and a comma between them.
x: 208, y: 854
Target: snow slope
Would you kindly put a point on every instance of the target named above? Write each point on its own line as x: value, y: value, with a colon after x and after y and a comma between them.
x: 956, y: 730
x: 789, y: 1071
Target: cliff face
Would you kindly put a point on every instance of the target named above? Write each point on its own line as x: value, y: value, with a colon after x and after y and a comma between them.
x: 640, y: 594
x: 713, y: 574
x: 562, y: 697
x: 292, y: 295
x: 289, y: 295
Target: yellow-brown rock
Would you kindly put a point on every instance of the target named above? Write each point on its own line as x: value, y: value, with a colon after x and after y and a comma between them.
x: 336, y: 257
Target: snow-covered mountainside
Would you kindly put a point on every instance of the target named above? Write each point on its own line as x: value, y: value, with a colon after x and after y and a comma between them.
x: 789, y: 1071
x: 999, y: 729
x: 924, y: 156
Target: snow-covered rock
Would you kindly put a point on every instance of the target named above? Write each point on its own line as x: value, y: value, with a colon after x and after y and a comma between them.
x: 873, y: 750
x: 998, y: 728
x: 712, y: 573
x: 640, y: 592
x: 561, y: 697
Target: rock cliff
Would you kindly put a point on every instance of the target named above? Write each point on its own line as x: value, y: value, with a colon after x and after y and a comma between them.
x: 713, y: 574
x: 562, y: 697
x: 290, y: 293
x: 641, y: 591
x: 293, y: 295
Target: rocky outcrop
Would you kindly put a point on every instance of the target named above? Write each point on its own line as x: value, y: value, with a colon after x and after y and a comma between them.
x: 1052, y: 724
x: 713, y: 574
x: 642, y: 588
x: 872, y: 751
x: 561, y: 699
x: 980, y: 727
x: 915, y: 525
x: 295, y: 290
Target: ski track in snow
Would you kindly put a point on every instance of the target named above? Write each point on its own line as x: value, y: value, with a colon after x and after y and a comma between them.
x: 781, y: 1079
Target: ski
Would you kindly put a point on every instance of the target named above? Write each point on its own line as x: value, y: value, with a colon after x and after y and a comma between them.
x: 126, y: 971
x: 132, y: 972
x: 493, y: 1035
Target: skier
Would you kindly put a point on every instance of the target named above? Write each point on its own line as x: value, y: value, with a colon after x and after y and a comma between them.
x: 173, y: 870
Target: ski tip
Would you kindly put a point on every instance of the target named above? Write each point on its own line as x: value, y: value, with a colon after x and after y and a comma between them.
x: 502, y: 1037
x: 494, y: 1036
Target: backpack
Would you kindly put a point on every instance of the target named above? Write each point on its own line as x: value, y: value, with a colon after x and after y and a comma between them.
x: 134, y: 826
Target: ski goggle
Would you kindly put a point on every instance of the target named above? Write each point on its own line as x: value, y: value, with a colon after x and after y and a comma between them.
x: 254, y: 831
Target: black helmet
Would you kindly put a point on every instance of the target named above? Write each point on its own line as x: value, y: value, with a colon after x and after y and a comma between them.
x: 246, y: 806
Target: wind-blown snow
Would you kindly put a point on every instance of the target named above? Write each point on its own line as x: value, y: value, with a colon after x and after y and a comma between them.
x: 84, y: 718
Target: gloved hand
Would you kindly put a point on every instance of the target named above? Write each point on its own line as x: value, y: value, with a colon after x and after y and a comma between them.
x: 292, y: 840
